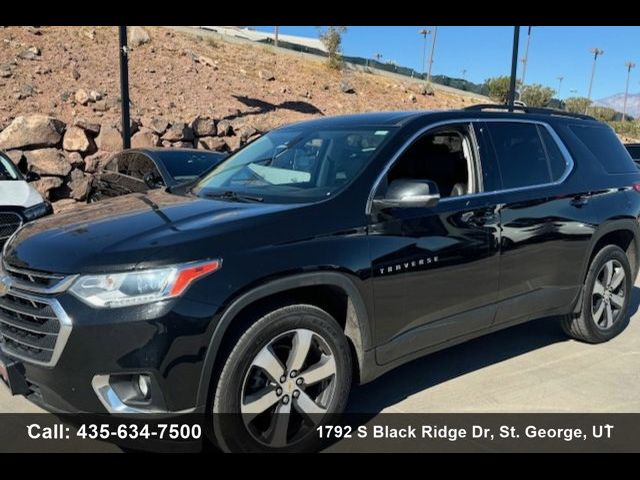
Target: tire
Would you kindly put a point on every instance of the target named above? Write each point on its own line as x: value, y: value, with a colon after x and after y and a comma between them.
x: 592, y: 324
x: 274, y: 347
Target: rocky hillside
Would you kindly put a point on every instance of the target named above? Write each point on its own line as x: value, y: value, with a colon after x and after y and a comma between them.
x: 59, y: 96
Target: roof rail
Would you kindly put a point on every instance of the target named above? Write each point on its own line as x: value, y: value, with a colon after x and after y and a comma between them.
x: 542, y: 111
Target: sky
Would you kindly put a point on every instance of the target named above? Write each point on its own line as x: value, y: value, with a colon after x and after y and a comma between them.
x: 486, y: 52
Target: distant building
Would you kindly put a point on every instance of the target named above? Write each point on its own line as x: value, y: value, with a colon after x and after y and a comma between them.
x: 255, y: 36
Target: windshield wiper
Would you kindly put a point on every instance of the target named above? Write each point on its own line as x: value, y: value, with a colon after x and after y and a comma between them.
x: 234, y: 196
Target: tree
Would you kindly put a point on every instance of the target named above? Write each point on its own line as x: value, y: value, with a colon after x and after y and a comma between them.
x: 498, y: 88
x: 537, y: 95
x: 604, y: 114
x: 331, y: 38
x: 577, y: 104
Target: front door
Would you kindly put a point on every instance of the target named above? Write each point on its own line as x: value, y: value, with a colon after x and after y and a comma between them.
x: 435, y: 270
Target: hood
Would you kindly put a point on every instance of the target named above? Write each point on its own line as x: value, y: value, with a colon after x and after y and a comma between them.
x: 18, y: 193
x: 135, y: 231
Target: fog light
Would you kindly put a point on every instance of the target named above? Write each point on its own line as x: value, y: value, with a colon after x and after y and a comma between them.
x: 144, y: 385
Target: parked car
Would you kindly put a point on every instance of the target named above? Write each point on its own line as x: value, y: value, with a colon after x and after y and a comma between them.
x: 323, y: 253
x: 139, y: 170
x: 634, y: 151
x: 19, y: 201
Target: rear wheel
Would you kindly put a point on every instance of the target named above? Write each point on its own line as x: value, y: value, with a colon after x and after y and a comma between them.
x: 289, y: 372
x: 605, y: 302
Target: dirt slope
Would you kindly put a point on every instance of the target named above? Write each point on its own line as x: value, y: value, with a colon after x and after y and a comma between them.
x: 177, y: 76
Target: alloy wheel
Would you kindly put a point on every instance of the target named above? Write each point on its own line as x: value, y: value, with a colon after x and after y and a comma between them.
x: 608, y: 295
x: 288, y: 388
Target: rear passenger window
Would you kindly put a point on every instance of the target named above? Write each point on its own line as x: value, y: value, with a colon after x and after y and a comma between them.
x: 605, y: 146
x: 521, y: 154
x: 557, y: 161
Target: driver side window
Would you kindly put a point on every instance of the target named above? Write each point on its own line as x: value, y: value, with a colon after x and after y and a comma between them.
x: 444, y: 156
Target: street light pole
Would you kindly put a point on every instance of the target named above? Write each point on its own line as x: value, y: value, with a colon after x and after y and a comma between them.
x: 596, y: 53
x: 514, y: 68
x: 433, y: 48
x: 525, y: 59
x: 560, y: 79
x: 629, y: 66
x: 424, y: 32
x: 276, y: 33
x: 464, y: 74
x: 124, y: 88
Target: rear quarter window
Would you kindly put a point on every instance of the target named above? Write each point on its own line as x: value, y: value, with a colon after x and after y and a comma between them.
x: 603, y: 143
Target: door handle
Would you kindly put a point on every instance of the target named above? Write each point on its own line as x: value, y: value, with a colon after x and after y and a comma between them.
x: 579, y: 201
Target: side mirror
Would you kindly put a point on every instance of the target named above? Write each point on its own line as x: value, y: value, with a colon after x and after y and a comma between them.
x: 410, y: 194
x: 31, y: 176
x: 152, y: 181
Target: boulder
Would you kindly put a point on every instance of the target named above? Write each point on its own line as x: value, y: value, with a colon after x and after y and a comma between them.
x: 94, y: 96
x: 177, y: 132
x: 76, y: 140
x: 82, y: 97
x: 32, y: 131
x: 31, y: 53
x: 64, y: 205
x: 204, y: 60
x: 48, y: 161
x: 346, y: 87
x: 145, y: 138
x: 224, y: 128
x: 97, y: 161
x: 16, y: 156
x: 138, y: 36
x: 182, y: 145
x: 46, y: 184
x: 203, y: 126
x: 75, y: 159
x: 109, y: 139
x: 233, y: 143
x: 90, y: 128
x: 155, y: 124
x: 212, y: 143
x: 266, y: 75
x: 246, y: 132
x: 80, y: 185
x: 412, y: 98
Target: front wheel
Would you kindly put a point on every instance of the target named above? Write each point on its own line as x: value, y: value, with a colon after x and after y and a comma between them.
x: 288, y: 373
x: 605, y: 301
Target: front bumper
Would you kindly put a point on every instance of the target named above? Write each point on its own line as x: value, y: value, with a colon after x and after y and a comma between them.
x: 167, y: 341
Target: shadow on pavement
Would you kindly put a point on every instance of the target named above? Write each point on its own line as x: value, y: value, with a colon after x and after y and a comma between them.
x: 462, y: 359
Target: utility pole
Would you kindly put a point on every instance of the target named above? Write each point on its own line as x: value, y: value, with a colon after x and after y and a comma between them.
x: 596, y: 53
x: 378, y: 56
x: 424, y: 32
x: 514, y: 68
x: 464, y: 74
x: 629, y: 66
x: 525, y: 59
x: 433, y: 48
x: 275, y: 40
x: 124, y: 88
x: 560, y: 79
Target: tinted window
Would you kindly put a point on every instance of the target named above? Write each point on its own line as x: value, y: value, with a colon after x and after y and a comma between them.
x: 521, y: 154
x: 134, y: 165
x: 605, y: 146
x: 187, y: 165
x: 634, y: 151
x: 557, y: 162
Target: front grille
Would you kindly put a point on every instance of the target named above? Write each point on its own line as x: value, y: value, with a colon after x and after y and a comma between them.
x: 9, y: 223
x: 33, y: 327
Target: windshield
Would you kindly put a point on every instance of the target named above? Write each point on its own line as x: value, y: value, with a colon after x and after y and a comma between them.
x: 8, y: 171
x: 295, y: 165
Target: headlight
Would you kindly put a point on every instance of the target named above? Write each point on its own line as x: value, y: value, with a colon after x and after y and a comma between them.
x: 37, y: 211
x: 116, y: 290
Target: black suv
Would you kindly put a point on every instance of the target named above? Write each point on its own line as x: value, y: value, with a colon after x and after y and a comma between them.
x: 323, y: 253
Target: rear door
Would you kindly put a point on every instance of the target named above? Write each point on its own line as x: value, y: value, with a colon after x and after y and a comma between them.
x: 541, y: 217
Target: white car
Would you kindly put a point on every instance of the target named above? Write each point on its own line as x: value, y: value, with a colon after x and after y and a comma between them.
x: 19, y: 201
